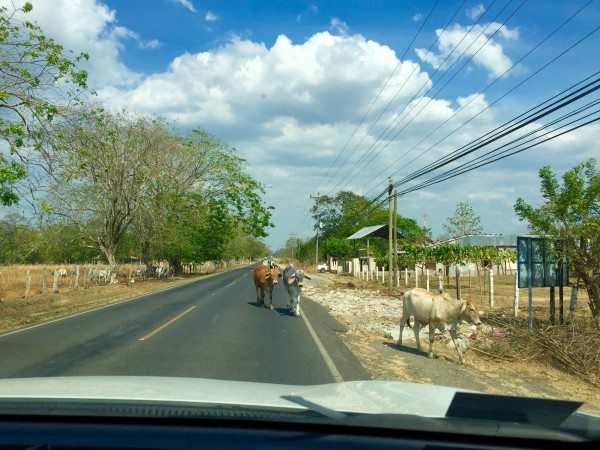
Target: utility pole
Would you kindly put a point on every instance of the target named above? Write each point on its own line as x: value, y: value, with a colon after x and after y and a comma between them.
x: 390, y: 235
x: 318, y: 227
x: 395, y: 240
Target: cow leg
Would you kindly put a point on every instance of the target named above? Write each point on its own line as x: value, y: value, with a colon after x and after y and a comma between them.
x: 297, y: 310
x: 417, y: 331
x: 431, y: 338
x: 271, y: 298
x: 257, y: 295
x: 453, y: 336
x: 403, y: 323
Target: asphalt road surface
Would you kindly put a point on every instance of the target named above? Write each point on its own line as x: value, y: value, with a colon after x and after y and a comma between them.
x: 210, y: 328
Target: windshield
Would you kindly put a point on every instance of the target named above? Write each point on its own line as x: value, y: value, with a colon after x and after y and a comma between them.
x: 301, y: 193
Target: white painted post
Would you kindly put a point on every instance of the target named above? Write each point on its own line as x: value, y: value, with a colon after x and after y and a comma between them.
x: 44, y: 281
x: 427, y: 278
x: 573, y: 302
x: 406, y: 276
x: 55, y: 282
x: 383, y: 275
x: 516, y: 297
x: 76, y: 283
x: 491, y: 284
x: 376, y: 273
x: 416, y: 277
x: 397, y: 279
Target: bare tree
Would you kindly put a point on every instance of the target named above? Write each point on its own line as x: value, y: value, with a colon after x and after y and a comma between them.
x: 103, y: 165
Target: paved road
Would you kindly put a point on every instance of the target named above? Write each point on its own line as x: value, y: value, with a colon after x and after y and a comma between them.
x: 210, y: 328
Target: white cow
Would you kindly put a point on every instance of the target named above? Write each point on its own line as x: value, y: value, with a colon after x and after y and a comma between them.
x: 437, y: 310
x: 292, y: 280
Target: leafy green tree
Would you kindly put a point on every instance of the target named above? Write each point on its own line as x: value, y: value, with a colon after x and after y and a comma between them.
x: 570, y: 216
x: 35, y: 72
x: 338, y: 247
x: 464, y: 222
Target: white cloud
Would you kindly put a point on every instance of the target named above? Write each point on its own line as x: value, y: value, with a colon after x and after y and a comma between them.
x: 210, y: 17
x: 475, y: 12
x: 314, y: 8
x: 151, y: 44
x: 186, y: 4
x: 339, y: 26
x: 417, y: 17
x: 95, y: 31
x: 459, y: 39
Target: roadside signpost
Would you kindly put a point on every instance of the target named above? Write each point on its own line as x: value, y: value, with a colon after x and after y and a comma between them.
x: 537, y: 267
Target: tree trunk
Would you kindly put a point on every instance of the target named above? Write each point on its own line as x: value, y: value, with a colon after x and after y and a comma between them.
x: 177, y: 266
x: 109, y: 251
x: 146, y: 252
x: 457, y: 274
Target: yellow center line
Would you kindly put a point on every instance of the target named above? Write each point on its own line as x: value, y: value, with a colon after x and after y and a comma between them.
x: 230, y: 284
x: 166, y: 324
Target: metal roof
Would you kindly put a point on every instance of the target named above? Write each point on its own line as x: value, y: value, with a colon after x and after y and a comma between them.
x: 485, y: 240
x: 374, y: 230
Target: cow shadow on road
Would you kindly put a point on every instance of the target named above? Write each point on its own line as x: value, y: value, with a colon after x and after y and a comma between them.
x: 282, y: 311
x: 404, y: 348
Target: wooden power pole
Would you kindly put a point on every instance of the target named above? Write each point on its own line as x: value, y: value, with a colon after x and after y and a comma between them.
x: 395, y: 238
x: 390, y: 235
x: 318, y: 226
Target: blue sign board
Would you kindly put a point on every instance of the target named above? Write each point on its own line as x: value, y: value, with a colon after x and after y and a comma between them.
x: 537, y: 263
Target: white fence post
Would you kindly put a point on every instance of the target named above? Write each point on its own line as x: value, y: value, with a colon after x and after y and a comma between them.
x: 491, y: 284
x: 406, y: 276
x: 573, y: 301
x: 416, y: 277
x: 397, y: 279
x: 427, y: 278
x: 383, y: 275
x: 55, y: 282
x: 376, y: 273
x: 516, y: 297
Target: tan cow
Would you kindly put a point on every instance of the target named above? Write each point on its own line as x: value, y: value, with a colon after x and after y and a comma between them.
x: 265, y: 277
x: 437, y: 310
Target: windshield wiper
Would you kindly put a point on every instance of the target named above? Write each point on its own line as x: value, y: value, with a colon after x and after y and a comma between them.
x: 315, y: 407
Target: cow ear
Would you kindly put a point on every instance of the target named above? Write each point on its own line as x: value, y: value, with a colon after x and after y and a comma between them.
x: 291, y: 279
x: 463, y: 307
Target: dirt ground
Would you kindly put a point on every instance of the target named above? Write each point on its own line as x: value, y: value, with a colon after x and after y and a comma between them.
x: 372, y: 316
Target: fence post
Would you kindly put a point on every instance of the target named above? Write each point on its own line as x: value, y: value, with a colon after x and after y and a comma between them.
x: 491, y: 283
x: 440, y: 282
x: 27, y: 283
x: 397, y: 279
x: 376, y: 273
x: 416, y: 277
x: 427, y: 278
x: 406, y: 276
x: 573, y: 303
x: 55, y: 282
x: 516, y: 297
x: 383, y: 275
x: 44, y: 286
x: 76, y: 284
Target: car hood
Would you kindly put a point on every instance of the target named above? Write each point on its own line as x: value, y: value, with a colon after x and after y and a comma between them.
x: 371, y: 397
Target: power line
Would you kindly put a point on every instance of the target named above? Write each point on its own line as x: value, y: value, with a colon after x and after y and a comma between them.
x: 391, y: 125
x: 373, y: 102
x: 397, y: 92
x: 485, y: 89
x: 508, y: 129
x: 448, y: 175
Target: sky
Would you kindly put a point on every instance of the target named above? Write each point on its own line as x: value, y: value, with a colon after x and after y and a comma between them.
x: 289, y: 84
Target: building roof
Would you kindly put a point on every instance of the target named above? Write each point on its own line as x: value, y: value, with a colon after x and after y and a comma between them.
x: 484, y: 240
x: 374, y: 230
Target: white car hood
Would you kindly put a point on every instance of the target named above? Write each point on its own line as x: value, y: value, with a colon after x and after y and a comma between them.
x: 372, y: 397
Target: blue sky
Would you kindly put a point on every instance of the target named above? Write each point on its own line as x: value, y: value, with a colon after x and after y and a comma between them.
x: 286, y: 83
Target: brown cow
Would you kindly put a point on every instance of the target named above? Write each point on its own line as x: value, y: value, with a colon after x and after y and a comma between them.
x: 265, y: 276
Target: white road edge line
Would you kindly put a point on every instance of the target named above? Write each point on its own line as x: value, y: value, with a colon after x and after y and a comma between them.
x: 139, y: 297
x: 337, y: 376
x: 230, y: 284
